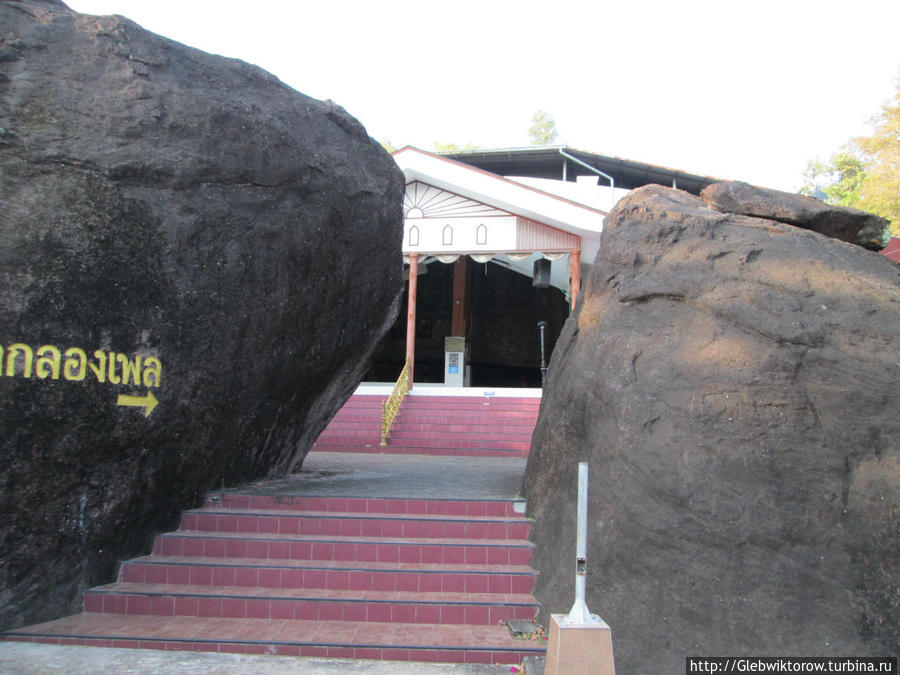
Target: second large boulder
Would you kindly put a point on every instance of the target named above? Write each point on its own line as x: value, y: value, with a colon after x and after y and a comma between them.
x: 734, y: 384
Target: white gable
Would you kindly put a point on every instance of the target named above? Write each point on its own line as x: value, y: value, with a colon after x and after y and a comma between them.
x: 440, y: 222
x: 450, y: 208
x: 498, y: 192
x: 425, y: 201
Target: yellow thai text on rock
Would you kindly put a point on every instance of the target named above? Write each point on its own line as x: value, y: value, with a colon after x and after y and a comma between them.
x: 50, y: 362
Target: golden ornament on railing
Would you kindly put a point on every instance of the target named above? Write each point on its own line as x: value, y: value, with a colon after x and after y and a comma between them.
x: 391, y: 406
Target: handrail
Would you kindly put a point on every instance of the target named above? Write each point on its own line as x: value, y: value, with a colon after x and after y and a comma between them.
x: 391, y: 406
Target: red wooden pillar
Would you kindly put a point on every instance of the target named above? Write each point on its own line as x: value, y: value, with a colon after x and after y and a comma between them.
x: 575, y: 261
x: 460, y: 313
x: 411, y: 314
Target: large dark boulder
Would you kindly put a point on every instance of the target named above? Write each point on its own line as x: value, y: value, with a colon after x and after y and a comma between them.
x: 175, y: 227
x: 850, y: 225
x: 734, y: 384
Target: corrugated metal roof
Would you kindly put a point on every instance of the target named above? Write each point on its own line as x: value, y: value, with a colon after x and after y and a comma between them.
x: 548, y: 162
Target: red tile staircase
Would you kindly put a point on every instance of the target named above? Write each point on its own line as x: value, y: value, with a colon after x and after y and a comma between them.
x: 478, y: 426
x: 387, y: 578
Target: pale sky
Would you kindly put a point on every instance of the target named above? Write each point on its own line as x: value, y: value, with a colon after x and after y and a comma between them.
x: 736, y: 90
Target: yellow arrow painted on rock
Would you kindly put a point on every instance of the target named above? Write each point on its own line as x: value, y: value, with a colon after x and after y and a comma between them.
x: 147, y: 402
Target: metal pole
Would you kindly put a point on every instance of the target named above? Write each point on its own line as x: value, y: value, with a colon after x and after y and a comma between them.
x: 580, y: 612
x: 543, y: 326
x: 612, y: 181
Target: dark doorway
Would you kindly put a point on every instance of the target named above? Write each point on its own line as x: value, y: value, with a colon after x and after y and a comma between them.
x: 505, y: 346
x: 503, y: 335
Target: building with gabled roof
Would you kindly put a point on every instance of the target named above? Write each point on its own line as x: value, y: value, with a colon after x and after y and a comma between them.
x: 492, y: 257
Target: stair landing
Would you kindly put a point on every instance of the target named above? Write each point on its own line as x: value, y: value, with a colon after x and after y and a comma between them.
x: 432, y: 421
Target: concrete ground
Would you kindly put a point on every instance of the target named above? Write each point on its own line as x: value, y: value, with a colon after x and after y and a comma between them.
x: 23, y: 658
x: 350, y: 474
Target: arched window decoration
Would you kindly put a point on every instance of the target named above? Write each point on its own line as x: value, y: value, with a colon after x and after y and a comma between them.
x: 414, y: 236
x: 447, y: 236
x: 481, y: 234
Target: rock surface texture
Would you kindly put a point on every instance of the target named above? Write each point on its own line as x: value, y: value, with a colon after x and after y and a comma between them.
x: 850, y: 225
x: 734, y: 384
x: 195, y: 264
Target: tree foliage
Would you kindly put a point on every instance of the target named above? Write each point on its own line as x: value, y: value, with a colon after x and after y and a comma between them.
x: 543, y: 129
x: 841, y: 178
x: 454, y: 147
x: 866, y: 173
x: 881, y: 155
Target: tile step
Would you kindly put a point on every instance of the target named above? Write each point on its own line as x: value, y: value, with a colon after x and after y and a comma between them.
x: 368, y: 408
x: 425, y: 443
x: 425, y: 446
x: 308, y: 604
x: 466, y: 426
x: 446, y: 643
x: 458, y: 437
x: 440, y: 421
x: 427, y: 439
x: 447, y: 407
x: 315, y: 594
x: 474, y: 401
x: 463, y: 418
x: 276, y: 510
x: 439, y: 413
x: 350, y: 566
x: 448, y: 436
x: 413, y: 450
x: 339, y: 548
x: 350, y: 524
x: 392, y: 506
x: 328, y: 575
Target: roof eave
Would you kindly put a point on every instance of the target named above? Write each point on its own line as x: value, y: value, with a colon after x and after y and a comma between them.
x: 502, y: 193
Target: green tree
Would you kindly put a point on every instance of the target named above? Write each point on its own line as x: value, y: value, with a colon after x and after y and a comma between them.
x: 387, y: 145
x: 453, y: 147
x: 866, y: 173
x: 543, y: 129
x: 841, y: 178
x: 881, y: 154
